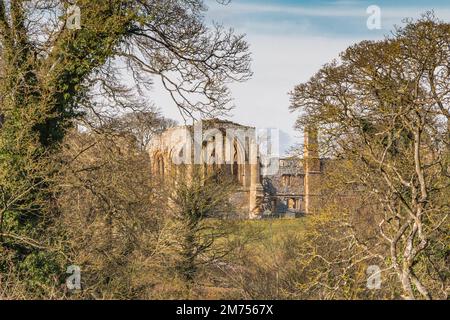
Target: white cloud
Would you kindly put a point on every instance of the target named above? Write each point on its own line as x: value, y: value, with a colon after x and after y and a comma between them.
x: 337, y: 9
x: 280, y: 64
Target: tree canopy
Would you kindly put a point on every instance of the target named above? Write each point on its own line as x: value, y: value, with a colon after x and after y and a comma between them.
x: 384, y: 106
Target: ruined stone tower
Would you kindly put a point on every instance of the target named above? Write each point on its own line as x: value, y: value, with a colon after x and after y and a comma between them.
x: 220, y: 144
x: 293, y: 190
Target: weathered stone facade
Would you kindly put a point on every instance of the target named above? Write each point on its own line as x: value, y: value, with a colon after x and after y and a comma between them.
x: 232, y: 148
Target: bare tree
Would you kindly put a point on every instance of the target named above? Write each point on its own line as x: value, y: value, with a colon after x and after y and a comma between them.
x: 200, y: 205
x: 384, y: 107
x: 52, y: 74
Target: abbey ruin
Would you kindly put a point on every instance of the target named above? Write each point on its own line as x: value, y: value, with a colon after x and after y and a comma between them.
x: 268, y: 184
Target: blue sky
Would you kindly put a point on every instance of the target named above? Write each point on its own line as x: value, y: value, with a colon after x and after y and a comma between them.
x: 290, y: 40
x: 324, y: 17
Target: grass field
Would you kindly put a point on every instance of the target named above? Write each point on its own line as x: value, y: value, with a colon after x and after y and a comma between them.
x: 271, y: 232
x: 274, y: 228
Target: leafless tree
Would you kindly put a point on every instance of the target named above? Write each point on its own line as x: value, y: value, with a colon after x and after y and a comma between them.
x: 384, y: 107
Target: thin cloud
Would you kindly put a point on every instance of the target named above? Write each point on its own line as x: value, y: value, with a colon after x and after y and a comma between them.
x: 345, y: 9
